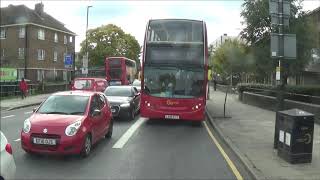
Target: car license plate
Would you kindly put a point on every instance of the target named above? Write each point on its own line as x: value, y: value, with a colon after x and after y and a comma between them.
x: 44, y: 141
x: 113, y: 110
x: 171, y: 117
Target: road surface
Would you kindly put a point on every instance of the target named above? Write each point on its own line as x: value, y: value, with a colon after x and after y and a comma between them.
x: 139, y: 149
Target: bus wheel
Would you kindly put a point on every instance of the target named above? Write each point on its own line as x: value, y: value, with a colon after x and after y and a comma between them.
x: 196, y: 123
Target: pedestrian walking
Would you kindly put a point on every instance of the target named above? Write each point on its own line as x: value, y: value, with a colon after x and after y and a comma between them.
x: 23, y: 86
x: 214, y: 84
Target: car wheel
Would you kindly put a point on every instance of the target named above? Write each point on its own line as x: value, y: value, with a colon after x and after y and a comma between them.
x: 86, y: 146
x: 131, y: 114
x: 110, y: 130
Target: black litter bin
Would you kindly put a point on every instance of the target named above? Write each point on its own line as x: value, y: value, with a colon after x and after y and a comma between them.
x: 295, y: 136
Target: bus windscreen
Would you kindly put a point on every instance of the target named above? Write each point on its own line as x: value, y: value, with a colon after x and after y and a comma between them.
x: 173, y: 82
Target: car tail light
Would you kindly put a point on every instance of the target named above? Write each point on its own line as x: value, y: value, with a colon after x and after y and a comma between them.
x: 9, y: 148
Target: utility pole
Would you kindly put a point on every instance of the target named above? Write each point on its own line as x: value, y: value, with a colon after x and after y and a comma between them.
x: 26, y: 50
x: 87, y: 29
x: 283, y: 47
x: 85, y: 60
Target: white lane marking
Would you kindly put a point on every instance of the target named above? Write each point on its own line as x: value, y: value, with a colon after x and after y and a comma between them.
x: 28, y: 112
x: 126, y: 136
x: 7, y: 116
x: 17, y: 140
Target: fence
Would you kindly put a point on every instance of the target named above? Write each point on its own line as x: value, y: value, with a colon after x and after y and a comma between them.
x: 12, y: 88
x: 290, y: 96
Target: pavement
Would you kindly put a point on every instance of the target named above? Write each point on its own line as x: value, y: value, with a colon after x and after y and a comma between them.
x: 249, y: 132
x: 156, y: 149
x: 18, y: 102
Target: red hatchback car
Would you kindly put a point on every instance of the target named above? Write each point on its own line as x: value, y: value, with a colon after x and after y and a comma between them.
x: 89, y: 84
x: 68, y: 122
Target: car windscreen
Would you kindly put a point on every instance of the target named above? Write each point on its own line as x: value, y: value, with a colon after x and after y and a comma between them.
x: 118, y: 91
x: 63, y: 104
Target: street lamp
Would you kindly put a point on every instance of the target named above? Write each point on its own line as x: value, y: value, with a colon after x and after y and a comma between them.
x: 87, y: 29
x: 87, y: 54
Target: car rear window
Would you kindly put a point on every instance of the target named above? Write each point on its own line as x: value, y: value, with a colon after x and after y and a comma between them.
x: 83, y: 84
x: 118, y: 91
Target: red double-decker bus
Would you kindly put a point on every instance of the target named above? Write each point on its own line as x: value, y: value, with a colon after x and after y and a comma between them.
x: 174, y: 70
x: 120, y: 70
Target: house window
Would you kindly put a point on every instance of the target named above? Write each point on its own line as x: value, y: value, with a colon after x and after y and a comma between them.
x: 41, y: 34
x: 22, y: 32
x: 64, y: 75
x: 55, y: 56
x: 55, y: 37
x: 2, y: 53
x: 65, y: 39
x: 41, y: 54
x: 20, y: 73
x: 64, y: 56
x: 40, y: 74
x: 21, y: 53
x: 3, y: 33
x: 70, y: 39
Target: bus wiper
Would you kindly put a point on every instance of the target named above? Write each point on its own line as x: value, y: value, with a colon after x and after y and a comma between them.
x: 74, y: 113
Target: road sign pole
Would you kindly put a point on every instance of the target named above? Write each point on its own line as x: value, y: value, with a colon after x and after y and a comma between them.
x: 280, y: 97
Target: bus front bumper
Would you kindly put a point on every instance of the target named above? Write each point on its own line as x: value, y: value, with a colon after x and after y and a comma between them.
x: 196, y: 115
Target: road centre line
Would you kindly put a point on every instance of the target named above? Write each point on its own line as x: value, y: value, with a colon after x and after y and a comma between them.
x: 126, y: 136
x: 17, y: 140
x: 224, y: 154
x: 7, y: 116
x: 28, y: 112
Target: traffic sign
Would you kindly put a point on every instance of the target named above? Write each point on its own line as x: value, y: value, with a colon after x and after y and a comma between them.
x: 68, y: 61
x: 289, y: 46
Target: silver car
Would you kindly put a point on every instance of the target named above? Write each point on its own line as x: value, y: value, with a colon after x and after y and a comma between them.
x: 136, y: 83
x: 7, y: 164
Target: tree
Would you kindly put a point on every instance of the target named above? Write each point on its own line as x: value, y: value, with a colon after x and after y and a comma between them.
x: 232, y: 58
x: 109, y: 40
x: 257, y: 33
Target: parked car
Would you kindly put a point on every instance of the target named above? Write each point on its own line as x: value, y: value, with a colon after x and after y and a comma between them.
x: 136, y: 83
x: 7, y: 164
x: 124, y: 101
x: 68, y: 122
x: 89, y: 84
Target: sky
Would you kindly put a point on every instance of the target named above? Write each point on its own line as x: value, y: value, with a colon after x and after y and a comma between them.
x: 220, y: 16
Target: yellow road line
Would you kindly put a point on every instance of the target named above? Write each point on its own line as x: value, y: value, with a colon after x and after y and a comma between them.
x: 224, y: 154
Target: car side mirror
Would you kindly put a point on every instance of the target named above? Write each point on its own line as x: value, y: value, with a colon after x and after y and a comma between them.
x: 96, y: 112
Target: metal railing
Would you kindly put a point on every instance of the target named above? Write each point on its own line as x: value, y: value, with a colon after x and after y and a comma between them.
x: 290, y: 96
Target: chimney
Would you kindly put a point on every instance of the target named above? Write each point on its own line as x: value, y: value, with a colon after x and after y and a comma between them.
x: 39, y: 8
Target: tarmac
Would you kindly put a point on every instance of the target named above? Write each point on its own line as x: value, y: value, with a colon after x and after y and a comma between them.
x: 247, y: 130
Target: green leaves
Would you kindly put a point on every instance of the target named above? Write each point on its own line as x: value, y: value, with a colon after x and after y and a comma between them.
x: 232, y: 56
x: 257, y: 34
x: 109, y: 40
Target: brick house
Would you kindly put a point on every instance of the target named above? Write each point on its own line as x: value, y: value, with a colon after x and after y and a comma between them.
x: 35, y: 43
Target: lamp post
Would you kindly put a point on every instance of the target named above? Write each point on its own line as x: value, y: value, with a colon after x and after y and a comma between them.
x: 87, y: 54
x: 87, y: 29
